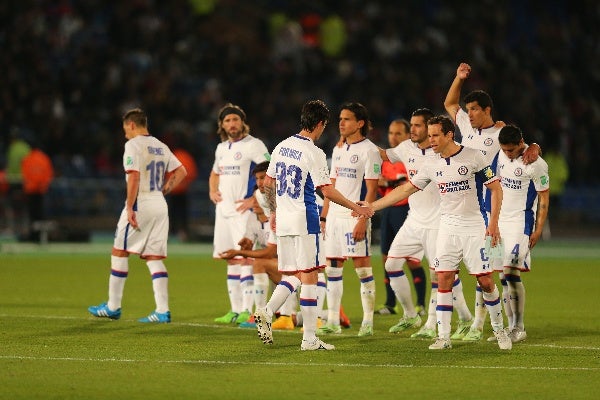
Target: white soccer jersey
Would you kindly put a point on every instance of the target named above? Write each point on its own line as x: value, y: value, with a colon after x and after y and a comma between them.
x: 520, y: 184
x: 424, y: 204
x: 152, y: 159
x: 350, y: 164
x: 459, y: 179
x: 234, y: 162
x: 298, y: 167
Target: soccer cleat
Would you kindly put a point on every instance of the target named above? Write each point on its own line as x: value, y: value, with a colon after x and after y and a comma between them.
x: 344, y: 320
x: 405, y: 323
x: 384, y: 309
x: 249, y: 324
x: 504, y: 341
x: 243, y: 317
x: 263, y: 325
x: 517, y: 335
x: 329, y: 329
x: 160, y: 318
x: 462, y: 329
x: 228, y: 318
x: 365, y: 330
x: 440, y: 344
x: 474, y: 335
x: 424, y: 333
x: 103, y: 311
x: 283, y: 323
x: 317, y: 344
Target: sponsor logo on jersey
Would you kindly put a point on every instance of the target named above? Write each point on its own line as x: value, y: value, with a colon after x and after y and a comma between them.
x: 267, y: 156
x: 544, y: 179
x: 129, y: 160
x: 377, y: 168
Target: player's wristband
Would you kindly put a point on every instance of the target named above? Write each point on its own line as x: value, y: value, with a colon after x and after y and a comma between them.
x: 322, y: 219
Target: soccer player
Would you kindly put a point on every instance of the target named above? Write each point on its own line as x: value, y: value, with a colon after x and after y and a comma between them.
x: 418, y: 234
x: 524, y: 210
x: 354, y: 163
x: 479, y: 131
x: 458, y: 174
x: 231, y: 186
x: 296, y: 169
x: 392, y: 218
x: 143, y: 227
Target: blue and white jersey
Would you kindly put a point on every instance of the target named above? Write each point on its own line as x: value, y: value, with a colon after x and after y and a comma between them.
x: 234, y: 162
x: 459, y: 180
x: 298, y: 167
x: 425, y: 204
x: 350, y: 165
x: 484, y: 140
x: 152, y: 159
x: 520, y: 186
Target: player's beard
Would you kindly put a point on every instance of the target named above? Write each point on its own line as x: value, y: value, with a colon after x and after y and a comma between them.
x: 234, y: 134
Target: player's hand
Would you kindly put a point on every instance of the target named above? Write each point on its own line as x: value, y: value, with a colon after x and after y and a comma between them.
x: 360, y: 230
x: 463, y: 71
x: 494, y: 233
x: 215, y: 197
x: 533, y: 239
x: 229, y: 254
x: 246, y: 244
x: 245, y: 204
x: 273, y: 221
x: 322, y: 224
x: 365, y: 210
x: 132, y: 218
x: 531, y: 153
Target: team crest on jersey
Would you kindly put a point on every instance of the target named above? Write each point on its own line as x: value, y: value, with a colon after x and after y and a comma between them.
x: 463, y: 170
x: 237, y: 156
x: 518, y: 172
x: 354, y: 159
x: 488, y: 141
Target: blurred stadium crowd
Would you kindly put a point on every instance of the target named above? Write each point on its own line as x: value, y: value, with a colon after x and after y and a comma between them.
x: 71, y: 67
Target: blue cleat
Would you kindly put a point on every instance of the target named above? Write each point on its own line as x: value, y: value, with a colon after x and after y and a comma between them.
x: 103, y: 311
x: 160, y: 318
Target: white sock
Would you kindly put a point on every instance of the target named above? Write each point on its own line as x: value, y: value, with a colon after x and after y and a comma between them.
x: 261, y: 287
x: 444, y: 313
x: 247, y: 287
x: 321, y: 292
x: 508, y: 311
x: 308, y: 305
x: 480, y: 310
x: 160, y: 284
x: 283, y: 290
x: 431, y: 310
x: 234, y: 288
x: 494, y: 307
x: 119, y: 269
x: 367, y: 293
x: 400, y: 285
x: 517, y: 298
x: 459, y: 303
x: 335, y: 290
x: 290, y: 305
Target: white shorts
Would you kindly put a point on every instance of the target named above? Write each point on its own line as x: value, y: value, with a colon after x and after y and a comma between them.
x: 452, y: 249
x: 516, y: 248
x: 229, y: 231
x: 338, y: 238
x: 300, y: 253
x: 150, y: 239
x: 412, y: 242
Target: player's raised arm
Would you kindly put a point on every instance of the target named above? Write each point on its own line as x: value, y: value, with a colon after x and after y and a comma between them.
x: 452, y: 101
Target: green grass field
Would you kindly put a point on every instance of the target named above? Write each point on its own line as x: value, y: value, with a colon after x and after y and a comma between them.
x: 51, y: 348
